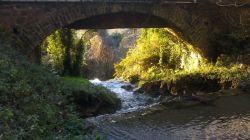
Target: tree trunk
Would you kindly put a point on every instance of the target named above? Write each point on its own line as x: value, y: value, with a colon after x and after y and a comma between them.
x: 78, y: 59
x: 67, y: 41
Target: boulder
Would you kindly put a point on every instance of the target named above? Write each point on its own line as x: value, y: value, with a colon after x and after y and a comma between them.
x: 127, y: 87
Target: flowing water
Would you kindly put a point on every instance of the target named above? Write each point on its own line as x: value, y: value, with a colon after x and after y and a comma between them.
x: 227, y: 119
x: 130, y: 101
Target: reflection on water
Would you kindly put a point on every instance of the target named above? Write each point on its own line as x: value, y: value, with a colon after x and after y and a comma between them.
x: 228, y: 118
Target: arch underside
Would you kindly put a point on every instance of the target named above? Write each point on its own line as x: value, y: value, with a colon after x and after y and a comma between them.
x: 125, y: 20
x: 116, y: 20
x: 119, y: 20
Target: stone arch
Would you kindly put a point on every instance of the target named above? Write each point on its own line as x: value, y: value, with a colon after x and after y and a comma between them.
x: 119, y: 20
x: 28, y: 23
x: 32, y: 32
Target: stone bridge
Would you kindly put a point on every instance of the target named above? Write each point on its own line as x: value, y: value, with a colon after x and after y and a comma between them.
x: 29, y: 22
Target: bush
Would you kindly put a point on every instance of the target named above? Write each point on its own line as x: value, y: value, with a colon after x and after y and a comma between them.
x: 157, y: 50
x: 32, y: 104
x: 160, y: 55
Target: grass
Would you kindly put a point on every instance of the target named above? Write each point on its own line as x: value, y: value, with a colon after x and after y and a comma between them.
x: 91, y: 99
x: 81, y: 84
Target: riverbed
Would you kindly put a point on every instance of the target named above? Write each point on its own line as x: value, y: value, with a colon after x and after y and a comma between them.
x: 143, y: 118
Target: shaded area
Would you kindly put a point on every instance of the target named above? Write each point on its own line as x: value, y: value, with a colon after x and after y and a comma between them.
x: 121, y: 20
x: 36, y: 104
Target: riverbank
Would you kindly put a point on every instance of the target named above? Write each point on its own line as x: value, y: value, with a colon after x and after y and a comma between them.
x: 35, y: 104
x: 162, y: 63
x: 91, y: 100
x: 204, y: 87
x: 200, y: 83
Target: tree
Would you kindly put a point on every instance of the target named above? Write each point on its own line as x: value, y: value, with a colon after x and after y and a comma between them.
x: 66, y: 36
x: 64, y: 52
x: 78, y: 59
x: 157, y: 51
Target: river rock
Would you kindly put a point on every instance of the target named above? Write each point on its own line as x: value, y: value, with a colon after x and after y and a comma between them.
x: 127, y: 87
x: 187, y: 101
x: 138, y: 90
x: 89, y: 126
x: 153, y: 88
x: 178, y: 102
x: 92, y: 105
x: 134, y: 79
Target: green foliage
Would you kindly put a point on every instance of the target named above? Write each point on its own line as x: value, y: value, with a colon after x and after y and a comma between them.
x: 213, y: 78
x: 53, y: 52
x: 156, y: 51
x: 160, y: 55
x: 90, y: 95
x: 81, y: 84
x: 231, y: 47
x: 233, y: 43
x: 33, y: 104
x: 64, y: 53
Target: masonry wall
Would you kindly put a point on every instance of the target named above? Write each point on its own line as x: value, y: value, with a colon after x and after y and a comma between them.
x: 28, y: 23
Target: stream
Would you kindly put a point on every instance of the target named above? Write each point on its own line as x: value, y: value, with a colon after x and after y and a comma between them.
x: 130, y: 101
x: 142, y: 118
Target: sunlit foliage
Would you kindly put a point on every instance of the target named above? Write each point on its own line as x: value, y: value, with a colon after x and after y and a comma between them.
x: 100, y: 58
x: 160, y: 55
x: 63, y: 52
x: 54, y: 51
x: 158, y: 50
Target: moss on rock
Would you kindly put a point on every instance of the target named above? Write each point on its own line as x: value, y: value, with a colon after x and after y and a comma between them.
x: 91, y: 100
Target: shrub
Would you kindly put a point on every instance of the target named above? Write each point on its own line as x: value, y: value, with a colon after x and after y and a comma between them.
x: 32, y: 104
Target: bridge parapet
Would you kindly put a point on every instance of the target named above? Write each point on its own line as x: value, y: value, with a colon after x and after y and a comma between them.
x: 223, y: 3
x: 112, y: 1
x: 146, y: 1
